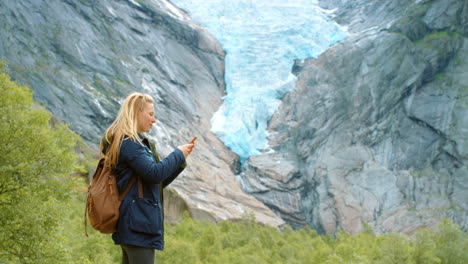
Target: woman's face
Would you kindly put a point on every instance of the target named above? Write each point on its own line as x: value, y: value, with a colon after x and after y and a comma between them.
x: 145, y: 118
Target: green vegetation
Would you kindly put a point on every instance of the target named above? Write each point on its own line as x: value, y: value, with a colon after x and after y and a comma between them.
x: 36, y: 157
x: 437, y: 35
x: 438, y: 40
x: 247, y: 242
x: 428, y: 40
x: 42, y: 207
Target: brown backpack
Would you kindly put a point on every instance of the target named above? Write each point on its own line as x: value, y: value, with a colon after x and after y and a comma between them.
x: 103, y: 200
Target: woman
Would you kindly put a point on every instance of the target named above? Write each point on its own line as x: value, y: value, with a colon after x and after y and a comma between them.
x: 140, y: 229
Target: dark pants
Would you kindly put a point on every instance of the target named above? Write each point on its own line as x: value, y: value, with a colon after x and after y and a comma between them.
x: 137, y: 255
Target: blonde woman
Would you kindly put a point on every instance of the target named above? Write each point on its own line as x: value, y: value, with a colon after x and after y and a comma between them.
x: 140, y: 228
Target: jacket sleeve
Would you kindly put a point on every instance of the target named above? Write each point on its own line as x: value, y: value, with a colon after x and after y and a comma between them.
x: 141, y: 161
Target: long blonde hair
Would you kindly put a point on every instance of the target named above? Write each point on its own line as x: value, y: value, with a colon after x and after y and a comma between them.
x: 124, y: 125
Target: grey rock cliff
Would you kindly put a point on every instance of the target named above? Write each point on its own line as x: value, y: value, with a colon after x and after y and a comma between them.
x: 375, y: 130
x: 82, y: 58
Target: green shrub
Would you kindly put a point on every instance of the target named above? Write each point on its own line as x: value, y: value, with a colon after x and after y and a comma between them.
x: 36, y: 157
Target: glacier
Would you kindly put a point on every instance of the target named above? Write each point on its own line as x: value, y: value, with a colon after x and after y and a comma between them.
x: 262, y: 38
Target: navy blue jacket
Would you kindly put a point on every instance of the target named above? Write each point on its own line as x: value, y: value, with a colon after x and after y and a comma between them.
x: 136, y: 227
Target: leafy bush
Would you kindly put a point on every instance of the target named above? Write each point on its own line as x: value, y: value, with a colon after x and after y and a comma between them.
x: 35, y: 158
x: 191, y: 241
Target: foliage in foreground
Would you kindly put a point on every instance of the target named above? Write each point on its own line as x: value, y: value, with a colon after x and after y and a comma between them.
x: 41, y: 213
x: 35, y: 159
x: 247, y: 242
x: 192, y: 241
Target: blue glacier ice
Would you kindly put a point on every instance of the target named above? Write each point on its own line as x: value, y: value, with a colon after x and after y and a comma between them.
x: 262, y: 39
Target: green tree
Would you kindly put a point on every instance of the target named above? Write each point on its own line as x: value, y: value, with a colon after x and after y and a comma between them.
x: 35, y: 155
x: 451, y: 243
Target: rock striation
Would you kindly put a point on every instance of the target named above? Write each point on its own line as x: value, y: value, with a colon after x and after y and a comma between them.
x: 375, y: 130
x: 82, y: 58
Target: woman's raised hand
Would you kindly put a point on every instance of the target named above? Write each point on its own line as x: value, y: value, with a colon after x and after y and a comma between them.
x: 186, y: 149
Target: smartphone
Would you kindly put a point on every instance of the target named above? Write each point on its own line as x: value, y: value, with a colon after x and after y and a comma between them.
x: 193, y: 140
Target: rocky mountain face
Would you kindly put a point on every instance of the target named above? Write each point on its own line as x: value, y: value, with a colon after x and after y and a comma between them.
x: 376, y: 130
x: 82, y: 58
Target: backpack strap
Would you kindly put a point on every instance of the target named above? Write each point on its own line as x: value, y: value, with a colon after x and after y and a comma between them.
x: 129, y: 185
x: 140, y: 188
x: 86, y: 216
